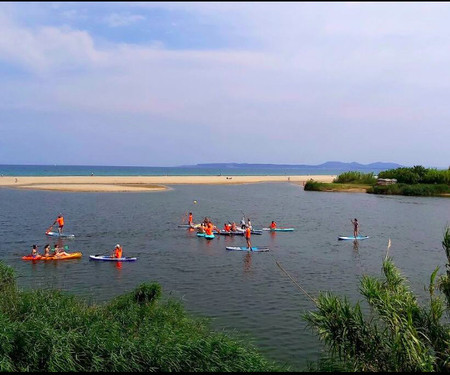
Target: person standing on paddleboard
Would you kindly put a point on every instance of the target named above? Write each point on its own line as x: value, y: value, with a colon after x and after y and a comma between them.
x: 60, y: 221
x: 355, y: 227
x: 190, y: 222
x: 248, y: 234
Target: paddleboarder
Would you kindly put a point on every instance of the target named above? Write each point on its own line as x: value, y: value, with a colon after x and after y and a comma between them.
x: 191, y: 223
x: 34, y: 251
x: 273, y: 225
x: 248, y: 234
x: 355, y: 227
x: 60, y: 221
x: 47, y: 250
x: 243, y: 223
x: 117, y: 251
x: 59, y: 251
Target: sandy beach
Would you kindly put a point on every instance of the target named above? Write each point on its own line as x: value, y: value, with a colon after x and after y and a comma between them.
x: 141, y: 183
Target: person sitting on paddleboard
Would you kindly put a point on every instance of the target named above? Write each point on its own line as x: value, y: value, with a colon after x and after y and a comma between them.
x: 248, y: 234
x: 243, y: 223
x: 249, y: 224
x: 34, y: 251
x: 118, y: 251
x: 233, y: 227
x: 60, y: 221
x: 273, y: 225
x: 47, y: 250
x: 355, y: 227
x: 209, y: 229
x: 58, y: 252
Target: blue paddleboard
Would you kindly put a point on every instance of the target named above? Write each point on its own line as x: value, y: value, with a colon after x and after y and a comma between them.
x: 57, y: 234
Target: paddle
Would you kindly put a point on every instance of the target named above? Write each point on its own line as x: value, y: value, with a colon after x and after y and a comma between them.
x: 106, y: 252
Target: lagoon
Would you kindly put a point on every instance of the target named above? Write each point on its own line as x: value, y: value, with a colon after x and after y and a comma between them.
x: 245, y: 294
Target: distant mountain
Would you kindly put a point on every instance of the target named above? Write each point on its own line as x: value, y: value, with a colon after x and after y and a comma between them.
x: 335, y: 165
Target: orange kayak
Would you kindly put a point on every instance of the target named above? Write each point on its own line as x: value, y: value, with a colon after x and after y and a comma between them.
x: 61, y: 257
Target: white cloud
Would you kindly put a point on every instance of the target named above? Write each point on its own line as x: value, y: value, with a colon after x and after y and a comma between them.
x: 315, y: 72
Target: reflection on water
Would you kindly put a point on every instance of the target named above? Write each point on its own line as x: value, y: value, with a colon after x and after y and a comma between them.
x: 242, y: 291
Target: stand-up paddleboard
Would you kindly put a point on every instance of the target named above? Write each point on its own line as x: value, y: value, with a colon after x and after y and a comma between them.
x: 239, y: 248
x: 187, y: 226
x: 353, y: 238
x: 111, y: 259
x: 239, y: 233
x: 279, y: 229
x: 62, y: 235
x: 207, y: 236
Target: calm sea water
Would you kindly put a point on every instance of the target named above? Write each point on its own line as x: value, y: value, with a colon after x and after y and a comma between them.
x: 74, y: 170
x: 243, y: 293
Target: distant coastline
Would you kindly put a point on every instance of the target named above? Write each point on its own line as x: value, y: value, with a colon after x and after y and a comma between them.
x: 212, y: 169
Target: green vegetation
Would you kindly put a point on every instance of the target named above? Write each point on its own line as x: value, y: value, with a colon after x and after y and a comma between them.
x: 425, y: 190
x: 416, y: 181
x: 356, y: 178
x: 312, y: 185
x: 444, y: 281
x: 418, y: 175
x: 399, y: 335
x: 46, y: 330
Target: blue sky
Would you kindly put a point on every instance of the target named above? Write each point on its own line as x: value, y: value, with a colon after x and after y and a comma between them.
x: 164, y: 84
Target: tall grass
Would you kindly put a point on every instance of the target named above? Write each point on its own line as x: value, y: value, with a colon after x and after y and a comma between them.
x: 356, y: 178
x: 444, y: 281
x: 45, y: 330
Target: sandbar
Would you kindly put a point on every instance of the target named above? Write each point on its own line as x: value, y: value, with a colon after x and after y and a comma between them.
x: 141, y: 183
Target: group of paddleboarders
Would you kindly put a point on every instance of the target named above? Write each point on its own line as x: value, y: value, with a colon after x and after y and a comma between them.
x: 59, y: 251
x: 208, y: 227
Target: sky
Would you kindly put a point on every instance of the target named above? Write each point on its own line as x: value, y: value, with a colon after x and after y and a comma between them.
x: 177, y: 83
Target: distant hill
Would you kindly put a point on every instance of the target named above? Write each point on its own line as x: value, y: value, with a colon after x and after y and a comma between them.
x: 335, y: 165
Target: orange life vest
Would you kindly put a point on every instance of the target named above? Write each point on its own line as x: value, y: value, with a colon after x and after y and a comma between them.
x: 60, y: 221
x: 248, y: 232
x: 118, y: 252
x: 209, y: 230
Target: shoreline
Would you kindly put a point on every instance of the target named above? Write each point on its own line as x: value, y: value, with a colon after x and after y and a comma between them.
x: 141, y: 183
